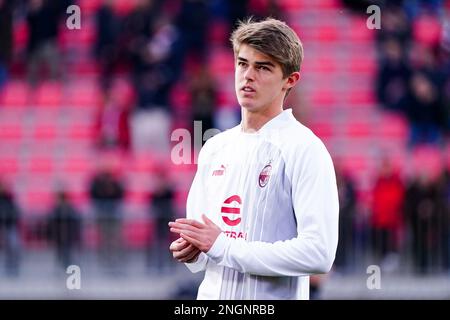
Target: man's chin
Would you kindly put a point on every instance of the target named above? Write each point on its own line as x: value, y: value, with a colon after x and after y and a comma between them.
x: 248, y: 105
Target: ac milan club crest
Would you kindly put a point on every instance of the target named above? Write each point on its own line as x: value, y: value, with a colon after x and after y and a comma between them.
x: 264, y: 176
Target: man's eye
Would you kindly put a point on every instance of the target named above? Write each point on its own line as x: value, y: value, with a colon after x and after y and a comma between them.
x: 263, y: 68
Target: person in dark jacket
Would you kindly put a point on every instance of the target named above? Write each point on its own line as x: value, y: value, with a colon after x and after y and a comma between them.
x: 64, y: 229
x: 9, y: 230
x: 106, y: 193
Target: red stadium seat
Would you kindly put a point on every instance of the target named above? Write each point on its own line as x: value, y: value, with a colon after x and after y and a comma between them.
x: 11, y: 133
x: 322, y: 64
x: 323, y: 130
x: 360, y: 98
x: 41, y: 165
x: 8, y: 166
x: 393, y: 127
x: 81, y: 132
x: 83, y: 94
x: 15, y: 94
x: 323, y: 98
x: 45, y: 132
x: 48, y: 95
x: 358, y: 129
x: 78, y: 165
x: 328, y: 33
x: 361, y: 64
x: 356, y: 165
x: 357, y: 31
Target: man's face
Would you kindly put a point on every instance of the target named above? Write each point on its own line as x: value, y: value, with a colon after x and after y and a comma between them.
x: 259, y: 82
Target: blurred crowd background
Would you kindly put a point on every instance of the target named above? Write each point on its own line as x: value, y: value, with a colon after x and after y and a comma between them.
x: 87, y: 119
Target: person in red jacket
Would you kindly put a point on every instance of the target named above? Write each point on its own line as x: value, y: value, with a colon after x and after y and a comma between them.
x: 387, y: 211
x: 112, y: 121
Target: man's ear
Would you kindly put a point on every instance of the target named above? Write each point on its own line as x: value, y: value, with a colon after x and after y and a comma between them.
x: 292, y: 80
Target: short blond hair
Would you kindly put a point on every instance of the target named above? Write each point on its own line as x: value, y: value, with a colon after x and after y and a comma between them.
x: 273, y: 38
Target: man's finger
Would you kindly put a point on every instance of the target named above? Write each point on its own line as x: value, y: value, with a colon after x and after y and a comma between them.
x: 190, y: 256
x: 192, y: 240
x: 186, y: 251
x: 182, y: 226
x: 175, y: 230
x: 184, y: 230
x: 191, y: 222
x: 194, y: 256
x: 178, y: 245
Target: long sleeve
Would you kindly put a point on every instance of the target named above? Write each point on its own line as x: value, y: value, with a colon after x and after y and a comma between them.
x: 316, y: 208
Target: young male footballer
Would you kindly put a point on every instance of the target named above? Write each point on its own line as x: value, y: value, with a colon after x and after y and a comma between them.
x: 262, y: 211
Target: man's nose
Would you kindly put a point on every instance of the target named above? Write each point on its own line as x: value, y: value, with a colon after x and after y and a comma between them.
x: 249, y: 74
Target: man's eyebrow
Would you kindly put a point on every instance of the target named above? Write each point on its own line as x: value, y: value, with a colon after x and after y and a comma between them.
x: 264, y: 63
x: 259, y: 63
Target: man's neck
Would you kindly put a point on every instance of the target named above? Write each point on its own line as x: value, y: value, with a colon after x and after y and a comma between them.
x: 253, y: 121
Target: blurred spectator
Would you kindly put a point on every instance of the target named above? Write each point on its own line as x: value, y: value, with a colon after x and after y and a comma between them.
x: 426, y: 60
x: 393, y: 75
x: 43, y: 21
x: 388, y: 197
x: 413, y: 68
x: 424, y: 110
x: 6, y: 43
x: 443, y: 208
x: 360, y: 6
x: 161, y: 211
x: 64, y: 227
x: 158, y: 65
x: 9, y: 230
x: 415, y: 7
x: 347, y: 205
x: 203, y: 98
x: 107, y: 45
x: 422, y: 213
x: 148, y: 53
x: 107, y: 192
x: 446, y: 101
x: 237, y: 11
x: 192, y: 21
x: 261, y: 9
x: 396, y: 25
x: 113, y: 120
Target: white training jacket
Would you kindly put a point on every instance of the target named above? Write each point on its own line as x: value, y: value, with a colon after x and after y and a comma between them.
x: 273, y: 193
